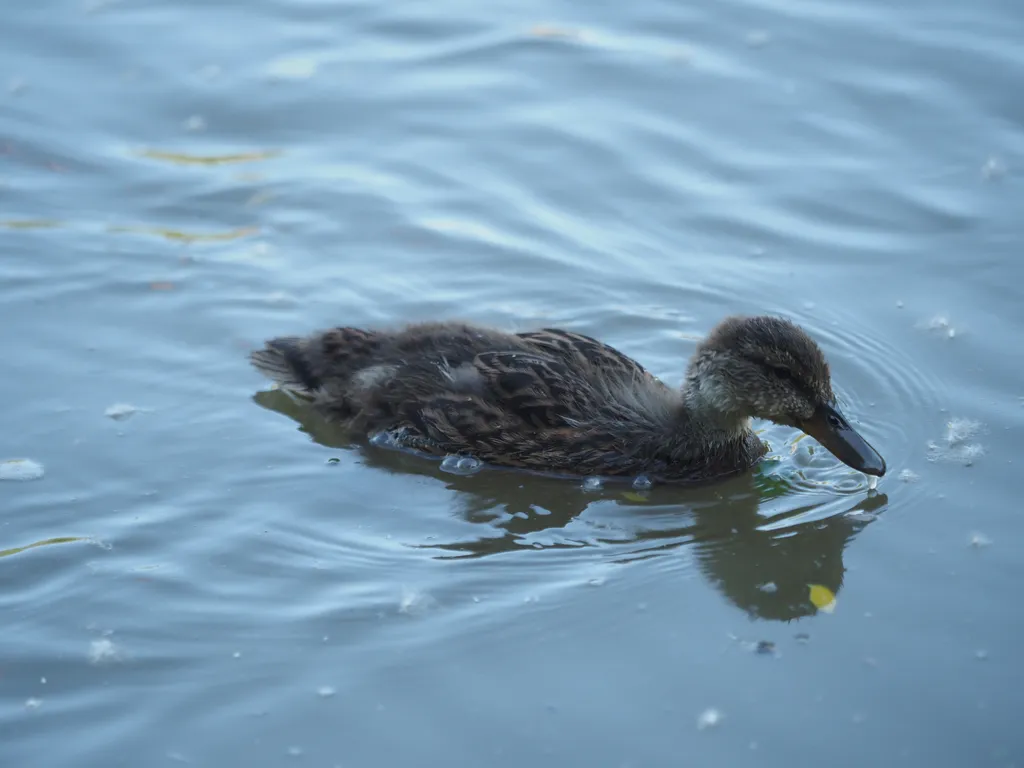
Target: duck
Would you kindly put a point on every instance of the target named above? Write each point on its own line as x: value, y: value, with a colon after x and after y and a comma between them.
x: 555, y: 401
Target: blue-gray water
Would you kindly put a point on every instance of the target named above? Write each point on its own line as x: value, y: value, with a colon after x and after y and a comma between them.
x: 179, y: 181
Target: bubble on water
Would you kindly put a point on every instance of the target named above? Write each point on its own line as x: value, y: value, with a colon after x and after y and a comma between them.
x: 592, y: 484
x: 981, y: 654
x: 195, y: 123
x: 709, y: 718
x: 325, y: 691
x: 236, y: 655
x: 121, y: 411
x: 642, y: 483
x: 908, y: 476
x: 33, y: 703
x: 103, y: 651
x: 461, y: 465
x: 295, y: 751
x: 769, y: 587
x: 384, y: 440
x: 21, y: 469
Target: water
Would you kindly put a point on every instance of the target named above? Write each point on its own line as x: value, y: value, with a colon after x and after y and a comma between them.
x: 202, y: 559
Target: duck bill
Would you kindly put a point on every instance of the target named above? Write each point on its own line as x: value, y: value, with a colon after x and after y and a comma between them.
x: 830, y: 428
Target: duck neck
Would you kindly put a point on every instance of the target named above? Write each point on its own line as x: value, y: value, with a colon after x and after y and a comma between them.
x: 709, y: 400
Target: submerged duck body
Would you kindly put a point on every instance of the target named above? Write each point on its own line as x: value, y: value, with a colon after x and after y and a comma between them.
x: 556, y: 401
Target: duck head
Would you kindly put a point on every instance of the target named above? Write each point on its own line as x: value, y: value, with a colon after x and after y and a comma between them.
x: 769, y: 368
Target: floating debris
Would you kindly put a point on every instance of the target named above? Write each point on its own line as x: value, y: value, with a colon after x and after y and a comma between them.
x: 414, y: 601
x: 802, y: 637
x: 908, y: 476
x: 765, y: 648
x: 21, y: 469
x: 184, y: 158
x: 103, y: 650
x: 940, y: 324
x: 592, y: 484
x: 860, y: 516
x: 189, y: 237
x: 994, y: 168
x: 121, y: 411
x: 634, y: 496
x: 210, y: 72
x: 597, y: 581
x: 33, y: 703
x: 291, y: 68
x: 758, y: 38
x: 823, y: 598
x: 709, y: 718
x: 979, y: 540
x: 461, y: 465
x: 333, y: 460
x: 195, y: 123
x: 769, y: 587
x: 955, y: 444
x: 553, y: 32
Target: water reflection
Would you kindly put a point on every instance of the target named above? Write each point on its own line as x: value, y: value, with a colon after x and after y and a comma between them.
x: 774, y: 551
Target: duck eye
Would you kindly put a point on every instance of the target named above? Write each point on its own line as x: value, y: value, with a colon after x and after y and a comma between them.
x: 783, y: 373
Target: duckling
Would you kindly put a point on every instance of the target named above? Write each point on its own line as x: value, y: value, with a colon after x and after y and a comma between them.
x: 559, y: 402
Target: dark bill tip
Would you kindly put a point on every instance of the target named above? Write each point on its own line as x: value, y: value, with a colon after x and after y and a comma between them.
x: 830, y: 428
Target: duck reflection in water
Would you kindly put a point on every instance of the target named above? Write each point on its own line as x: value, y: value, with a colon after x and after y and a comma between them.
x: 767, y: 549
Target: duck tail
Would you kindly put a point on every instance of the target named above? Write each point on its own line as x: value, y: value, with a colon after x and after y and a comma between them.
x: 284, y: 361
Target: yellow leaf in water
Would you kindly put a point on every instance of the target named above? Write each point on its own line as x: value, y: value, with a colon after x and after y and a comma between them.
x: 56, y: 540
x: 191, y: 237
x: 551, y: 31
x: 183, y: 158
x: 822, y: 597
x: 639, y: 498
x: 29, y: 224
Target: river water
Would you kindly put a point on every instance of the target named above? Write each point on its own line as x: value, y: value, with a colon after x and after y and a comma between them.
x: 198, y: 571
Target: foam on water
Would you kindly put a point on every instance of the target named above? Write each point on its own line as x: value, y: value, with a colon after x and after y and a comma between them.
x: 21, y: 469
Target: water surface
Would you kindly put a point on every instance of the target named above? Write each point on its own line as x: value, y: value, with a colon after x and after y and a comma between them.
x: 217, y: 577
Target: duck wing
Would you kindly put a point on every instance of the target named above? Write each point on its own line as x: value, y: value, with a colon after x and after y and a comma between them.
x: 585, y: 354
